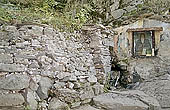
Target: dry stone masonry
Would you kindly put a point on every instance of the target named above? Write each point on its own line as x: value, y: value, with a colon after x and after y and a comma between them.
x: 41, y: 68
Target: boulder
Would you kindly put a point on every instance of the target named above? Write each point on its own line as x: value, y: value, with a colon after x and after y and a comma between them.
x: 31, y: 100
x: 56, y: 104
x: 148, y: 68
x: 98, y: 89
x: 44, y: 86
x: 126, y: 100
x: 164, y: 51
x: 14, y: 82
x: 67, y: 95
x: 86, y: 107
x: 11, y: 99
x: 88, y: 93
x: 11, y: 68
x: 6, y: 58
x: 159, y: 89
x: 118, y: 13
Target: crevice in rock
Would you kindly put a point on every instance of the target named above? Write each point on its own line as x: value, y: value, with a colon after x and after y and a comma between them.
x: 119, y: 77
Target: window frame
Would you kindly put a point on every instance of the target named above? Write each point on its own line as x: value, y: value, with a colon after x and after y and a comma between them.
x: 153, y: 43
x: 154, y: 38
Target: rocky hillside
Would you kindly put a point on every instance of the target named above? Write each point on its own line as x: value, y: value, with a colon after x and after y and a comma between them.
x: 70, y: 15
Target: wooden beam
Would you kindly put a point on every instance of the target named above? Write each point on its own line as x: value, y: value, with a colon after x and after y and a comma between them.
x: 145, y: 29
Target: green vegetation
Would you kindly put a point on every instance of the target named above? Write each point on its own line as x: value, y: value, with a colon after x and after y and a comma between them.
x: 67, y: 15
x: 70, y: 15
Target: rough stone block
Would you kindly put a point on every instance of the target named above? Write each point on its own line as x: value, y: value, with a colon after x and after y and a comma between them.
x: 14, y: 82
x: 56, y: 104
x: 11, y: 99
x: 117, y: 13
x: 11, y: 68
x: 6, y: 58
x: 44, y: 86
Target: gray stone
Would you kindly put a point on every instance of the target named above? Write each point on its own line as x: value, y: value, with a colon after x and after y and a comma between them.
x: 88, y: 94
x: 2, y: 51
x: 31, y: 100
x: 13, y: 108
x: 152, y: 102
x: 59, y: 85
x: 68, y: 95
x: 49, y: 31
x: 34, y: 30
x: 11, y: 68
x: 47, y: 73
x: 22, y: 44
x: 86, y: 101
x: 94, y: 44
x: 73, y: 78
x: 56, y: 104
x: 35, y: 43
x: 86, y: 107
x: 44, y: 86
x: 63, y: 75
x: 98, y: 89
x: 70, y: 85
x: 130, y: 8
x: 14, y: 82
x: 164, y: 51
x: 114, y: 6
x: 34, y: 64
x: 107, y: 42
x: 25, y: 55
x: 117, y: 13
x: 33, y: 85
x: 11, y: 99
x: 75, y: 104
x: 6, y: 58
x: 92, y: 79
x: 144, y: 67
x: 126, y: 100
x: 11, y: 28
x: 159, y: 89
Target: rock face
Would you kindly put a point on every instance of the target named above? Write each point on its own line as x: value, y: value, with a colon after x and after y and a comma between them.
x: 126, y: 100
x: 148, y: 68
x: 164, y: 50
x: 158, y: 88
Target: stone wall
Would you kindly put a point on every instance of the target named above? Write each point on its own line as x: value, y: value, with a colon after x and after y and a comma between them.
x: 41, y: 68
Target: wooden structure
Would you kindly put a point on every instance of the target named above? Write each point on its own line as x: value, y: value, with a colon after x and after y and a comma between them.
x: 155, y: 36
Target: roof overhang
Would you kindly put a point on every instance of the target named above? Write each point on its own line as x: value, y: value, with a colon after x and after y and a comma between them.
x: 145, y: 29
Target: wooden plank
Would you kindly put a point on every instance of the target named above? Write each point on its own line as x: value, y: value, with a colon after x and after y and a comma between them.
x: 145, y: 29
x: 157, y: 39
